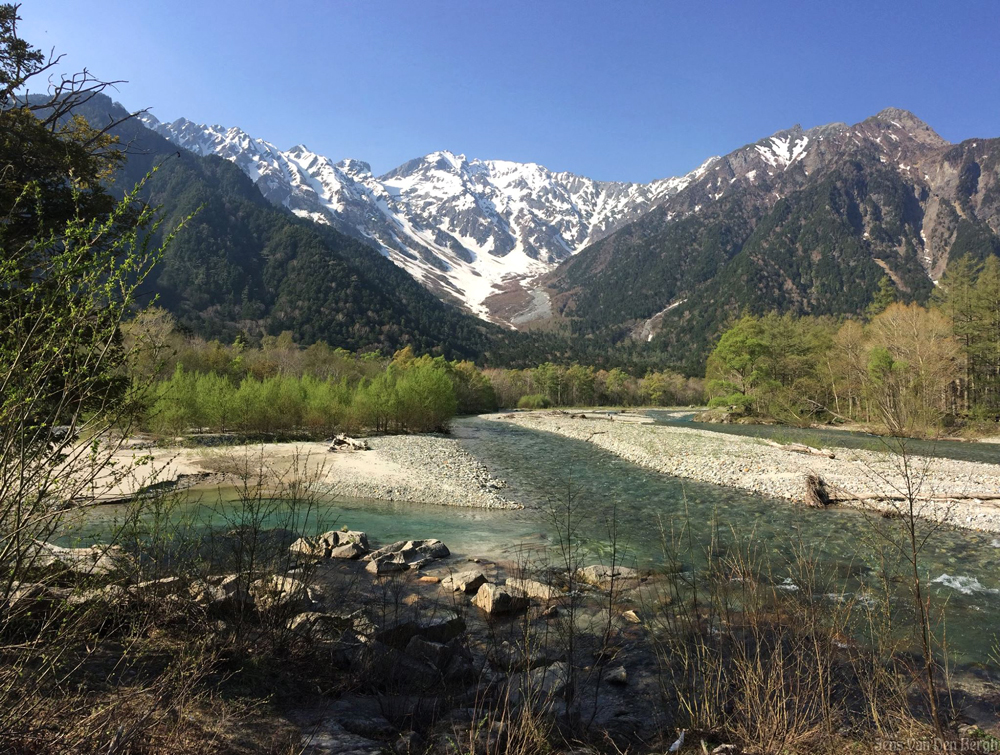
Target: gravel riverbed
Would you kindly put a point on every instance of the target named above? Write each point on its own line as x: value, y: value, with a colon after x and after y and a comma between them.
x: 754, y: 466
x: 425, y: 469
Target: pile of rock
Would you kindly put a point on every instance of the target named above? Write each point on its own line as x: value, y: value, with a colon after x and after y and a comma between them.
x: 513, y: 596
x: 405, y: 555
x: 348, y: 544
x: 96, y: 560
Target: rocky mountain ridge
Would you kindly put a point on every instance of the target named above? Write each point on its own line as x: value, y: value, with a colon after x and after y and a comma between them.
x: 460, y: 226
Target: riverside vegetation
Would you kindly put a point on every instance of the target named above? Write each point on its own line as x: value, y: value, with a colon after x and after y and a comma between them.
x: 281, y: 633
x: 909, y: 369
x: 280, y: 387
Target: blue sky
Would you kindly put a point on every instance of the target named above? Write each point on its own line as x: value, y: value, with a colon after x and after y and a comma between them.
x: 613, y: 90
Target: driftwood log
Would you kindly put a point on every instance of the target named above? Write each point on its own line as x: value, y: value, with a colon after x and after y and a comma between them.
x: 346, y: 443
x: 800, y: 448
x: 848, y: 497
x: 817, y: 495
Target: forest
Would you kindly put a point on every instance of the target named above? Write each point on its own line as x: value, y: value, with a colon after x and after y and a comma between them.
x: 278, y: 386
x: 912, y: 370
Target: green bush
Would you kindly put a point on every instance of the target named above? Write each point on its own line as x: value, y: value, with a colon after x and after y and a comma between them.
x: 416, y: 396
x: 738, y: 400
x: 534, y: 401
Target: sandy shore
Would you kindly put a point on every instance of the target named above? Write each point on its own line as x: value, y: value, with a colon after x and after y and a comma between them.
x: 425, y: 469
x: 751, y: 465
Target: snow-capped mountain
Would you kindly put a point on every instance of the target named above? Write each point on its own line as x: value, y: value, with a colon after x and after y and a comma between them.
x: 464, y: 228
x: 479, y: 232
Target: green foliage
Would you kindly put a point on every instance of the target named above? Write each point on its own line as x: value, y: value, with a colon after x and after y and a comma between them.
x: 899, y: 370
x: 770, y: 365
x: 886, y: 294
x: 415, y: 397
x: 534, y: 401
x: 969, y: 296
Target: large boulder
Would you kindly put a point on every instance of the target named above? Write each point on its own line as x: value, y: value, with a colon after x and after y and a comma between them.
x: 275, y: 592
x: 604, y: 577
x: 533, y: 589
x: 225, y: 592
x: 539, y: 687
x: 406, y: 554
x: 30, y: 599
x: 346, y: 443
x: 497, y: 601
x: 388, y: 565
x: 468, y: 581
x: 332, y: 544
x: 439, y: 629
x: 96, y: 560
x: 322, y: 627
x: 159, y: 588
x: 452, y: 659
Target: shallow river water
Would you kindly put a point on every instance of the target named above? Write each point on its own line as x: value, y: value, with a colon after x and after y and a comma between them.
x: 545, y: 471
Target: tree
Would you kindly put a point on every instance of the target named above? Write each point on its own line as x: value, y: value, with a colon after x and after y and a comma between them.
x: 984, y: 349
x: 72, y: 261
x: 886, y: 294
x: 913, y: 360
x: 955, y: 297
x: 734, y: 365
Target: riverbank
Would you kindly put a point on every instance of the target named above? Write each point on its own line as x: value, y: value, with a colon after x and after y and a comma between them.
x: 951, y: 491
x: 414, y: 468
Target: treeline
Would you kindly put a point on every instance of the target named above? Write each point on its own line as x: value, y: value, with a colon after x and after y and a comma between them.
x: 279, y: 386
x: 576, y: 385
x: 911, y: 369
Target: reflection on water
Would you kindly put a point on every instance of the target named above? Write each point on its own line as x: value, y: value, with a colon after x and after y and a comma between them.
x: 545, y: 471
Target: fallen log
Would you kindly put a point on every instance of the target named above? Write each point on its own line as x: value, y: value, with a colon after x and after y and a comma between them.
x: 817, y: 495
x: 346, y: 443
x: 848, y: 498
x: 800, y: 448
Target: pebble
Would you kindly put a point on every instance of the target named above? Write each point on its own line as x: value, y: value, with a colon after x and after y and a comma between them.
x: 445, y: 474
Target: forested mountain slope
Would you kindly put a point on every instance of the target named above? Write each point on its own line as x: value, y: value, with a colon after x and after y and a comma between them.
x: 243, y: 265
x: 462, y: 227
x: 804, y: 222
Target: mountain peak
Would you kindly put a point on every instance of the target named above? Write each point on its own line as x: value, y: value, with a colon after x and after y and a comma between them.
x: 911, y: 124
x: 355, y: 168
x: 895, y: 114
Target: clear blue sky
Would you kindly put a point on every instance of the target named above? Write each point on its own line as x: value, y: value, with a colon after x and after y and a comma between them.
x: 614, y: 90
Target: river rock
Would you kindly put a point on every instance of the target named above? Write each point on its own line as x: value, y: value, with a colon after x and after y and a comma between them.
x: 325, y: 627
x: 533, y: 589
x: 405, y: 554
x: 468, y: 581
x: 497, y: 601
x: 386, y: 565
x: 539, y: 686
x: 220, y: 592
x: 158, y: 588
x: 409, y: 743
x: 332, y: 544
x: 97, y: 560
x: 617, y: 675
x: 440, y: 629
x: 348, y: 551
x: 29, y: 598
x: 604, y: 577
x: 331, y: 738
x: 277, y: 592
x: 347, y: 443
